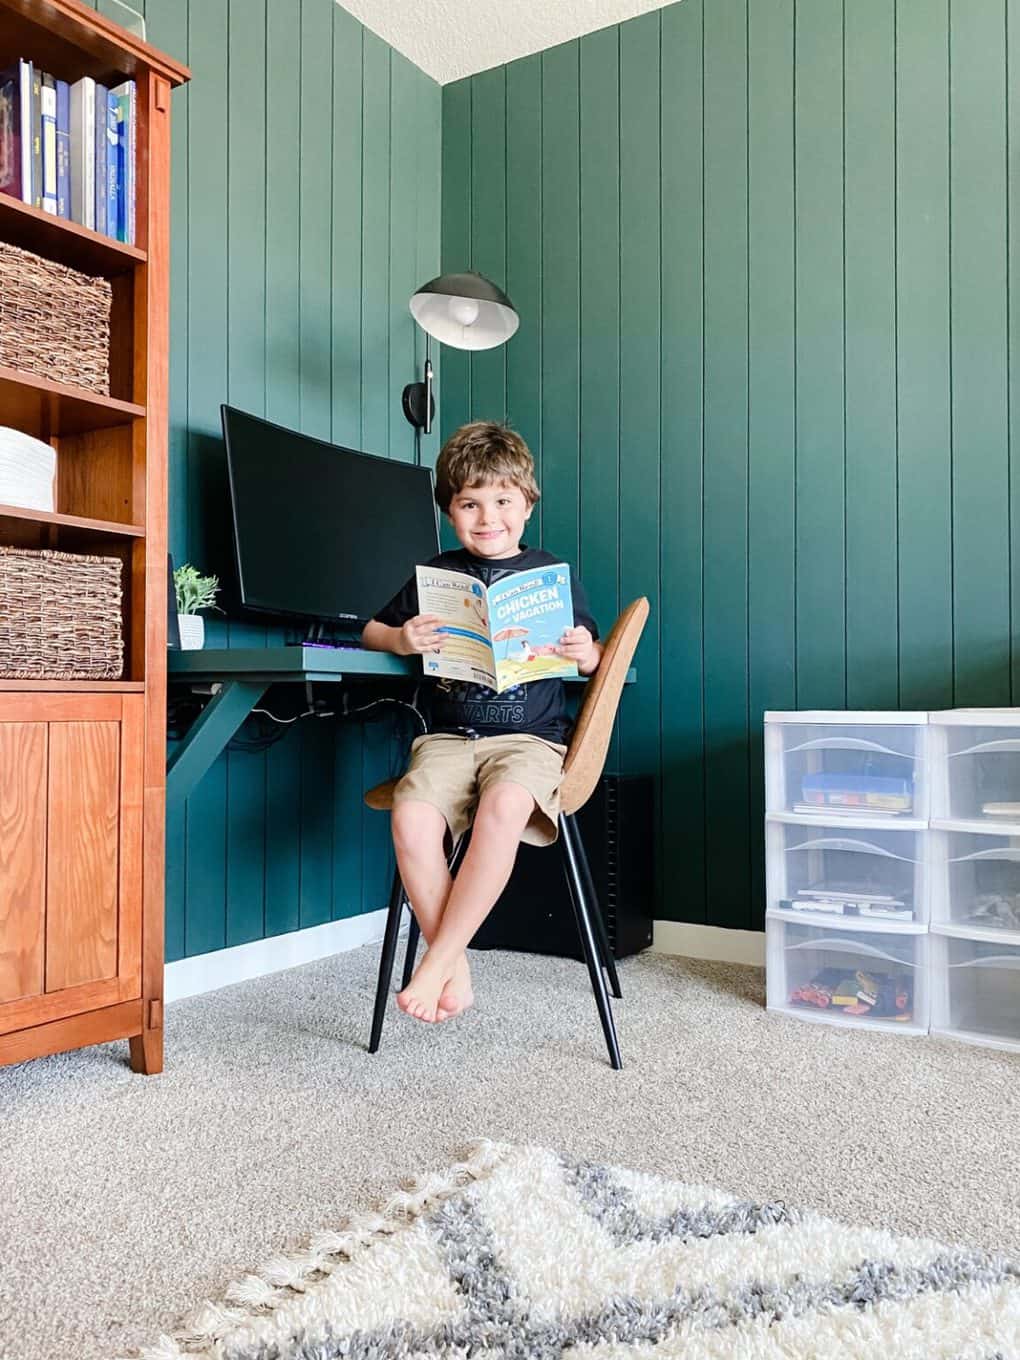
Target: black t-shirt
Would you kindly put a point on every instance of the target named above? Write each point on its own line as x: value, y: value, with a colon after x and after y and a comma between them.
x: 537, y: 709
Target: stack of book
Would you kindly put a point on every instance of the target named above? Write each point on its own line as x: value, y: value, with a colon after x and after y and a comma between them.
x: 27, y: 470
x: 839, y: 900
x: 70, y: 149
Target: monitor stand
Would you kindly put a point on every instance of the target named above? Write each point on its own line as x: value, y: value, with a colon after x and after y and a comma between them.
x: 324, y: 635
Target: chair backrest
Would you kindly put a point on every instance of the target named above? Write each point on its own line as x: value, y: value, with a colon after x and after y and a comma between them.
x: 582, y: 765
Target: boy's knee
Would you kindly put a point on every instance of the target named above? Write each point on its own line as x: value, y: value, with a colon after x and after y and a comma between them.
x: 504, y: 803
x: 418, y: 828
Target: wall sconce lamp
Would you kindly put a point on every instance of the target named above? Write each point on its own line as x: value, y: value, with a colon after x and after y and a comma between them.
x: 465, y: 311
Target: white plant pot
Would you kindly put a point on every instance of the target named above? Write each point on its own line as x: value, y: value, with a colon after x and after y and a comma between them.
x: 192, y: 628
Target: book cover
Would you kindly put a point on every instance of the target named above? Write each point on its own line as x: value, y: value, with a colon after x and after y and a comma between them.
x: 63, y: 149
x: 101, y: 156
x: 48, y: 115
x: 125, y: 96
x: 15, y: 131
x: 83, y: 151
x: 502, y: 636
x: 36, y: 127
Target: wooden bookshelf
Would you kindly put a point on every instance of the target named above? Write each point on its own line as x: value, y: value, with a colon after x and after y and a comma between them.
x: 82, y: 761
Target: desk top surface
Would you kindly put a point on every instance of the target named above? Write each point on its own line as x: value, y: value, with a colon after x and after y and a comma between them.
x: 291, y: 663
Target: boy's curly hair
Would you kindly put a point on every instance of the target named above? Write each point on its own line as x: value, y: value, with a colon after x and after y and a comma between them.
x: 480, y: 453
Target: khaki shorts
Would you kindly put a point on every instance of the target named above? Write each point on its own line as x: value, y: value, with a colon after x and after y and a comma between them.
x: 452, y: 772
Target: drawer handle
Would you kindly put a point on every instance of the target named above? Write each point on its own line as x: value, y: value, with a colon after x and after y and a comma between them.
x: 842, y: 843
x: 1004, y: 852
x: 850, y: 744
x: 1006, y: 744
x: 1008, y: 961
x: 848, y: 947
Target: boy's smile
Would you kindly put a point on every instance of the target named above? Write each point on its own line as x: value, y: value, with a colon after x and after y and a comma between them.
x: 489, y: 520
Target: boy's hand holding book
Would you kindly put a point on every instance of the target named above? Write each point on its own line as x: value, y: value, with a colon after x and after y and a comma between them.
x: 422, y: 634
x: 578, y: 645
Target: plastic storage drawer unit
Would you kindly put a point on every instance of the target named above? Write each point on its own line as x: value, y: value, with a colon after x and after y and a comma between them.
x: 976, y: 988
x: 865, y: 765
x: 875, y: 978
x: 846, y: 871
x: 976, y: 767
x: 975, y: 880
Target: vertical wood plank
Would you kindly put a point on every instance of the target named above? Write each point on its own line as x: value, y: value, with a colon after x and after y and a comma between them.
x: 682, y: 835
x: 315, y: 167
x: 1013, y: 340
x: 283, y: 835
x: 428, y: 207
x: 922, y: 355
x: 489, y: 228
x: 559, y: 476
x: 403, y: 279
x: 316, y: 883
x: 455, y: 398
x: 282, y: 188
x: 375, y: 247
x: 978, y: 292
x: 81, y: 853
x: 524, y: 257
x: 821, y: 468
x: 23, y: 759
x: 346, y: 244
x: 725, y: 474
x: 872, y: 672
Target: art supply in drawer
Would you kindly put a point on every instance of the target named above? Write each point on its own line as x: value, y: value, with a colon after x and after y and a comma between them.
x: 866, y: 992
x: 863, y: 793
x: 849, y: 901
x: 997, y: 911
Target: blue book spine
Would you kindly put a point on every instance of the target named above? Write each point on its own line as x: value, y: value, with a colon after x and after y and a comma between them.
x: 113, y: 162
x: 48, y: 125
x: 125, y: 96
x: 63, y: 149
x: 99, y: 134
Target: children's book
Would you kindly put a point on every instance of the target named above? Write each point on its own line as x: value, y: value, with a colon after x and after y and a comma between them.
x: 502, y: 636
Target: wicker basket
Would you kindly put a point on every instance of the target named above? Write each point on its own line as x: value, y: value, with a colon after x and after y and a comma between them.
x: 60, y: 616
x: 54, y: 322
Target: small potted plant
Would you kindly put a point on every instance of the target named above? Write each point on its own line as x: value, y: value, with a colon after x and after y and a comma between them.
x: 194, y: 592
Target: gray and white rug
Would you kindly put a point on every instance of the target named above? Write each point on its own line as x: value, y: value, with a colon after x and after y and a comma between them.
x: 519, y: 1254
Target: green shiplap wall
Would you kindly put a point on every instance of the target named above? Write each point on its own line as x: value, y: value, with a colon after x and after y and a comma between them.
x: 305, y: 209
x: 762, y: 251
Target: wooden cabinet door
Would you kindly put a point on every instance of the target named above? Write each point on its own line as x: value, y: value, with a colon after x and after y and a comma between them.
x: 70, y: 854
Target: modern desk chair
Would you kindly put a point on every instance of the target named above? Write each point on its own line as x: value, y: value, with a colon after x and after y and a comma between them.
x: 582, y: 769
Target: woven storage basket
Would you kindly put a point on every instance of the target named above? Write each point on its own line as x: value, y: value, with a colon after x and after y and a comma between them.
x: 60, y: 616
x: 54, y: 322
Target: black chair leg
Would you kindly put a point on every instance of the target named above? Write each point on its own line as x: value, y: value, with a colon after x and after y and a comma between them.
x: 588, y: 942
x: 413, y: 936
x: 389, y: 951
x: 605, y: 948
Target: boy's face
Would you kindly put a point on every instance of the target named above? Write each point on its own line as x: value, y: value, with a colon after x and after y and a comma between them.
x: 489, y: 520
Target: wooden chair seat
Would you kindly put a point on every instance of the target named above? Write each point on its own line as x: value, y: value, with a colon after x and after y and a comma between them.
x: 381, y: 797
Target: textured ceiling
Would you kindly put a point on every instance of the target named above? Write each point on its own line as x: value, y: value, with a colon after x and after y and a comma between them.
x: 454, y: 38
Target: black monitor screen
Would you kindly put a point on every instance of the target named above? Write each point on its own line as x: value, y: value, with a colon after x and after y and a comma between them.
x: 321, y: 531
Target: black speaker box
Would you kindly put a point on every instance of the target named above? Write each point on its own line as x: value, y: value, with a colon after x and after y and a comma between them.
x: 535, y: 915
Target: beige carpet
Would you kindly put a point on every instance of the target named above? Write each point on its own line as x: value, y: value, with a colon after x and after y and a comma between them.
x: 128, y: 1200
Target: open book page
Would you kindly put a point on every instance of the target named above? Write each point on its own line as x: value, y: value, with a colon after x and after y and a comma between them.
x: 528, y: 613
x: 460, y: 604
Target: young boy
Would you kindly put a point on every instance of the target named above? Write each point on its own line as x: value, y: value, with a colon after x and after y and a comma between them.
x: 491, y: 762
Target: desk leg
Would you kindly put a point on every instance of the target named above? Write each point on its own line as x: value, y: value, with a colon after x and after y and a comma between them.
x: 208, y: 736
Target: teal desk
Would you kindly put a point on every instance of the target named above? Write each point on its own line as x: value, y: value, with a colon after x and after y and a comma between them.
x: 243, y: 674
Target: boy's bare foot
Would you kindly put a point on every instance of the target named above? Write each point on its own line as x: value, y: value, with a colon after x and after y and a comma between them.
x: 420, y: 997
x: 458, y: 993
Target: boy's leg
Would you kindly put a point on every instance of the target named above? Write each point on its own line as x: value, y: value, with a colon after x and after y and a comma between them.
x: 419, y: 832
x: 504, y: 810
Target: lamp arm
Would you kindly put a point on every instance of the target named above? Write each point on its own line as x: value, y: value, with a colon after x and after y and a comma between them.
x: 428, y: 383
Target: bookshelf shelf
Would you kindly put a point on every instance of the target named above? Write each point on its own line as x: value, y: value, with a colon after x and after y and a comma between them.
x: 97, y: 526
x: 64, y: 241
x: 46, y: 408
x: 83, y: 762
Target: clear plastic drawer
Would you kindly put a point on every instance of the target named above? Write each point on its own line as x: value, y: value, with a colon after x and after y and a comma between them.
x: 872, y: 978
x: 975, y: 880
x: 846, y: 871
x: 976, y: 989
x: 977, y: 772
x: 823, y: 764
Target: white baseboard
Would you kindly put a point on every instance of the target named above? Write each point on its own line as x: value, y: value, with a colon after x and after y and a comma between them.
x: 206, y: 972
x: 709, y: 942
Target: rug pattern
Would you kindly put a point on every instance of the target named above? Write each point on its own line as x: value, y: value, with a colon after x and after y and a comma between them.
x: 519, y: 1254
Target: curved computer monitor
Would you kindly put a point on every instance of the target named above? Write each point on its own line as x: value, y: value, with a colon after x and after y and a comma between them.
x: 322, y: 532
